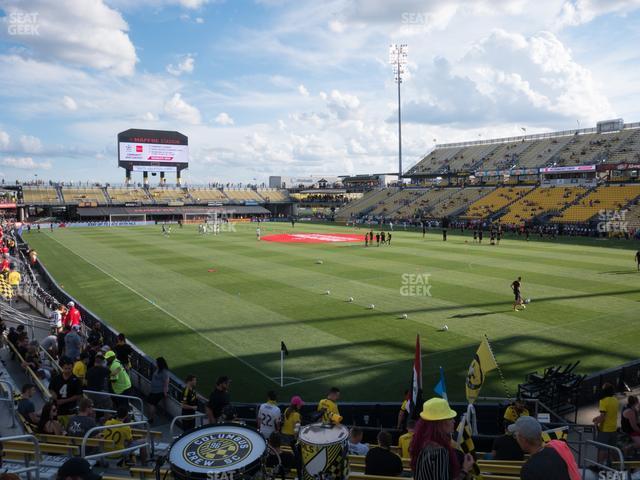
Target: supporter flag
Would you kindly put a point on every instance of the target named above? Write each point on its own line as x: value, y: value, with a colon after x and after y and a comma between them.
x: 466, y: 445
x: 483, y: 362
x: 441, y: 386
x: 414, y: 402
x: 555, y: 434
x: 6, y: 290
x: 283, y: 349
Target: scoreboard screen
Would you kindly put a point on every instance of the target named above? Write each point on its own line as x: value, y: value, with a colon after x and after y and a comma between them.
x: 152, y: 148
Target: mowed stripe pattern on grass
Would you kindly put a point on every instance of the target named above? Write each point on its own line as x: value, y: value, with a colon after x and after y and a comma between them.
x: 262, y: 292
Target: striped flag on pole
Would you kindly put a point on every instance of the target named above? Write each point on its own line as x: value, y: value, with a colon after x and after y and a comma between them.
x: 414, y: 404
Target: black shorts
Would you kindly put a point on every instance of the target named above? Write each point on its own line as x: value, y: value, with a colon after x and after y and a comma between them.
x: 517, y: 296
x: 155, y: 398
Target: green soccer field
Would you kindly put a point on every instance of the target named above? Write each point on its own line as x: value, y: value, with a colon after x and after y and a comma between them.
x: 214, y: 305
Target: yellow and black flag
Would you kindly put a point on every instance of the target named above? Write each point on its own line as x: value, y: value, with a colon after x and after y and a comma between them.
x: 466, y: 445
x: 6, y: 290
x: 555, y: 434
x: 483, y: 362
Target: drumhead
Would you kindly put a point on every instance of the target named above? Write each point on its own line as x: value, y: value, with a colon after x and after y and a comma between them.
x: 319, y: 434
x: 216, y: 449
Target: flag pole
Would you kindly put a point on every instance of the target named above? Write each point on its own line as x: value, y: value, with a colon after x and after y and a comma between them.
x: 281, y: 368
x: 504, y: 381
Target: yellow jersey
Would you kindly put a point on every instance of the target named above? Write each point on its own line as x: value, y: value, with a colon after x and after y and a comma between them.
x: 403, y: 442
x: 289, y: 424
x: 511, y: 414
x: 119, y: 435
x: 80, y: 371
x: 609, y: 406
x: 14, y: 278
x: 329, y: 407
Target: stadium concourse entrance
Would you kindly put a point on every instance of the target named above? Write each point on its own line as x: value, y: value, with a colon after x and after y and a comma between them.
x: 158, y: 214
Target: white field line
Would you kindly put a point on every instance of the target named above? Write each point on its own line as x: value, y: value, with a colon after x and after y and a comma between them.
x: 166, y: 312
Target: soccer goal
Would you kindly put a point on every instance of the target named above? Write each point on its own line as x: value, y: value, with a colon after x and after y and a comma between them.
x: 122, y: 219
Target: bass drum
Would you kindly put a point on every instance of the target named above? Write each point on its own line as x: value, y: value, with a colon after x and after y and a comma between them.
x: 226, y: 451
x: 325, y: 452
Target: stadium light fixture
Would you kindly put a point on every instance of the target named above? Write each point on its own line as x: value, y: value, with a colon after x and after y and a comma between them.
x: 398, y: 61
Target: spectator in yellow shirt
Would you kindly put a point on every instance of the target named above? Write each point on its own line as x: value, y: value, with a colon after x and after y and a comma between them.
x: 328, y: 406
x: 14, y: 278
x: 405, y: 440
x: 80, y: 368
x: 607, y: 421
x: 514, y: 412
x: 292, y: 420
x: 121, y: 435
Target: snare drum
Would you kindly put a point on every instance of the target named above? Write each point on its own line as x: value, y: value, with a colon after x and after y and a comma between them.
x: 225, y: 451
x: 324, y: 451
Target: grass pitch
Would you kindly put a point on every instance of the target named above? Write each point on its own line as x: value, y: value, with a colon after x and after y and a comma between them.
x: 214, y: 305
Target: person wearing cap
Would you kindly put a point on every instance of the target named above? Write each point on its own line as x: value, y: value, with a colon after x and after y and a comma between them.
x: 75, y: 468
x: 269, y: 416
x: 432, y: 454
x: 553, y: 462
x: 120, y: 381
x: 292, y: 420
x: 72, y: 317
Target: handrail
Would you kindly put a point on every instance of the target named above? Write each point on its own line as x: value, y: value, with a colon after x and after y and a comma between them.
x: 43, y: 390
x: 52, y: 360
x: 36, y: 445
x: 9, y: 399
x: 116, y: 395
x: 182, y: 417
x: 83, y: 447
x: 599, y: 446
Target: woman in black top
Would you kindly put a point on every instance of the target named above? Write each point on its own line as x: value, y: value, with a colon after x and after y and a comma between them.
x: 432, y: 455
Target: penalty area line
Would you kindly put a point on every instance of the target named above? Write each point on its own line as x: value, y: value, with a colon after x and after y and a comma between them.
x: 166, y: 312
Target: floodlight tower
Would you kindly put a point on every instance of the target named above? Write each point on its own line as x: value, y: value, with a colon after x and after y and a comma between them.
x: 398, y: 60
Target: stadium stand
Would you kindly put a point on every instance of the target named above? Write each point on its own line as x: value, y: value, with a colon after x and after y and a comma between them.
x: 457, y: 202
x: 41, y: 196
x: 605, y: 197
x: 243, y: 195
x: 632, y: 216
x: 422, y: 205
x: 120, y: 195
x: 396, y: 200
x: 274, y: 195
x: 628, y: 150
x: 363, y: 205
x: 166, y: 195
x: 75, y: 196
x: 539, y: 201
x: 205, y: 195
x: 495, y: 201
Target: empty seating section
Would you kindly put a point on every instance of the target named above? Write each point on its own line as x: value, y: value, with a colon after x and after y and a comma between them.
x: 165, y: 195
x: 243, y: 195
x: 126, y: 195
x: 75, y: 196
x: 632, y: 216
x: 40, y: 196
x: 540, y: 152
x: 628, y: 149
x: 539, y: 201
x: 368, y: 200
x: 605, y: 197
x: 205, y: 195
x: 425, y: 202
x: 461, y: 199
x: 274, y: 195
x: 495, y: 201
x: 393, y: 202
x: 435, y: 161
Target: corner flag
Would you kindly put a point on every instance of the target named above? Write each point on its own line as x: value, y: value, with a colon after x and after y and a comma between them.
x: 283, y: 349
x: 414, y: 404
x: 483, y: 362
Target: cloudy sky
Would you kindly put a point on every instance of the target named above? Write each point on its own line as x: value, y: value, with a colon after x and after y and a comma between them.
x: 295, y: 87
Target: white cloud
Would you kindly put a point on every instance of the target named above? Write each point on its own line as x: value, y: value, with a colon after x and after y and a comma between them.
x: 69, y: 103
x: 186, y: 65
x: 4, y: 140
x: 180, y: 110
x: 577, y: 12
x: 87, y: 33
x: 30, y: 144
x: 24, y: 163
x: 224, y: 119
x: 199, y: 20
x: 149, y: 117
x: 303, y: 90
x: 342, y: 105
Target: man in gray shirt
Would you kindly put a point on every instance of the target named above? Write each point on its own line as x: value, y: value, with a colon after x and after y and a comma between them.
x: 84, y: 421
x: 72, y: 344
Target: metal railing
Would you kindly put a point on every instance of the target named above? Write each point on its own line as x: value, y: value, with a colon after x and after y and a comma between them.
x: 148, y: 443
x: 195, y: 416
x: 27, y: 469
x: 603, y: 446
x: 9, y: 400
x: 136, y: 400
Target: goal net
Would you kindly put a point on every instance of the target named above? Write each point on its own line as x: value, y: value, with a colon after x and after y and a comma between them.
x: 122, y: 219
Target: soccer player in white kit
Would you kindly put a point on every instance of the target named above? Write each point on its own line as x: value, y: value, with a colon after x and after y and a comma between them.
x: 258, y: 233
x: 269, y: 416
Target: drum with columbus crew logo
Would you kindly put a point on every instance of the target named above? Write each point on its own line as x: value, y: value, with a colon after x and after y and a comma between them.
x: 325, y: 452
x: 226, y: 451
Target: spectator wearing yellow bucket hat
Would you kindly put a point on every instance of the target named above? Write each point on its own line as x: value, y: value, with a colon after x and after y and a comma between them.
x: 432, y: 454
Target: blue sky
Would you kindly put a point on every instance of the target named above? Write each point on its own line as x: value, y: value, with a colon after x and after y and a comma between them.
x: 280, y: 87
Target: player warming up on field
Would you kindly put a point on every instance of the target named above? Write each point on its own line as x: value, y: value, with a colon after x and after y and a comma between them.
x: 515, y: 286
x: 638, y: 259
x: 258, y: 233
